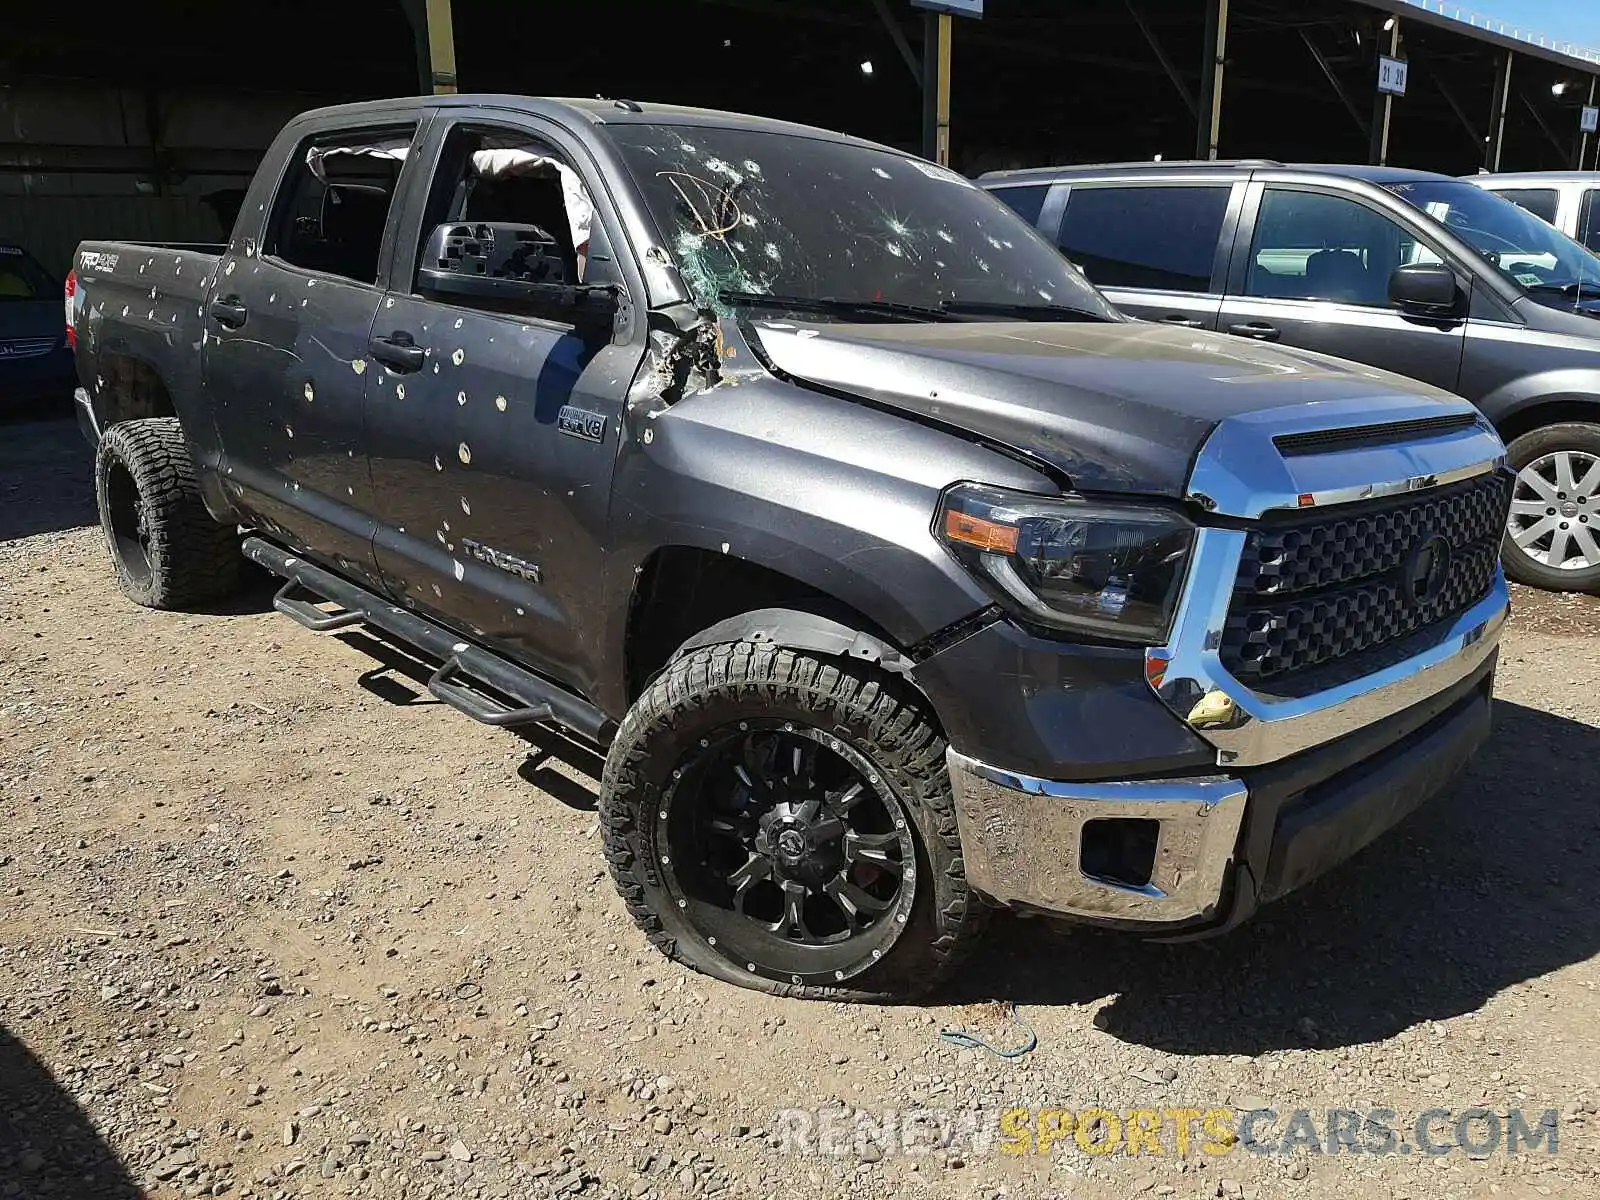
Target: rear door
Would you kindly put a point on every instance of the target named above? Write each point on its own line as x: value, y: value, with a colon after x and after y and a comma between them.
x: 1588, y: 224
x: 1314, y: 273
x: 286, y: 339
x: 492, y: 452
x: 1158, y: 250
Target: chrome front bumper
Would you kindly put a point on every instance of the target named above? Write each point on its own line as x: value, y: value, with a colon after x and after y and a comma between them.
x: 1021, y: 839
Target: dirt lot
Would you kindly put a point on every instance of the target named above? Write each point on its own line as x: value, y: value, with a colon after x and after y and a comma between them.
x: 272, y: 923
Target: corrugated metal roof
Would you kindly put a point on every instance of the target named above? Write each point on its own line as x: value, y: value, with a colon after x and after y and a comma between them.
x: 1490, y: 29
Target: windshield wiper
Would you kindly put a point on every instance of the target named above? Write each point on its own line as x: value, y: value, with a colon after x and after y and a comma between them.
x: 1574, y: 289
x: 834, y: 306
x: 1021, y: 310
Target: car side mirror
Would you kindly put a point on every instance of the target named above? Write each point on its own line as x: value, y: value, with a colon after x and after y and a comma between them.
x: 511, y: 268
x: 1428, y: 289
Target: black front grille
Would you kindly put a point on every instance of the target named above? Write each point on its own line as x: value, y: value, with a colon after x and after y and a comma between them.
x: 1314, y: 590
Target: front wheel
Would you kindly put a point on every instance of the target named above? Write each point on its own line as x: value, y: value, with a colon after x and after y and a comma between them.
x: 785, y: 822
x: 1553, y: 533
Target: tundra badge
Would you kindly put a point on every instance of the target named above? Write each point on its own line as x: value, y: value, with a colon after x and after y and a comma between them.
x: 509, y: 563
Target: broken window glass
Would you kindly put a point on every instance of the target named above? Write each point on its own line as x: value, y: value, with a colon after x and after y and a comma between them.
x: 756, y: 211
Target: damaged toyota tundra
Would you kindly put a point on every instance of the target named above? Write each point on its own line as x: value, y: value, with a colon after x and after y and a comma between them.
x: 899, y: 577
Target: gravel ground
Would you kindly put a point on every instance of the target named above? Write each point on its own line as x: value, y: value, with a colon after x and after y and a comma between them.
x: 273, y: 924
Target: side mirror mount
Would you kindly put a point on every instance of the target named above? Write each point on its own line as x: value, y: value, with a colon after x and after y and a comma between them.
x: 513, y: 269
x: 1427, y: 289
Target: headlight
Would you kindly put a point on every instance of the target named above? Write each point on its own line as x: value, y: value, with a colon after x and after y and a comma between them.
x: 1113, y: 570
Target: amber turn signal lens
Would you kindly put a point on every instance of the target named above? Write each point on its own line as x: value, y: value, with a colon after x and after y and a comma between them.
x: 976, y: 531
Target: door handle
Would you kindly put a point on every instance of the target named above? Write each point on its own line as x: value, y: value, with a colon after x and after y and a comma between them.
x: 1180, y: 319
x: 229, y: 312
x: 398, y: 352
x: 1258, y: 331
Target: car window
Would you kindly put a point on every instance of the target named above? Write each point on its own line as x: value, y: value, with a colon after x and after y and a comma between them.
x: 505, y: 176
x: 1313, y: 246
x: 1026, y: 202
x: 1145, y: 237
x: 1589, y: 219
x: 21, y: 278
x: 334, y: 202
x: 1541, y: 202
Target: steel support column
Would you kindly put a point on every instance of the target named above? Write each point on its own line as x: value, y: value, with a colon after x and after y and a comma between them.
x: 1497, y: 116
x: 936, y: 37
x: 1383, y: 110
x: 1583, y: 137
x: 441, y: 48
x: 1209, y: 131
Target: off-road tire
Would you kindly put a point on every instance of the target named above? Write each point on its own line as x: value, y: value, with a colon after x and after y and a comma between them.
x: 144, y: 479
x: 1578, y: 436
x: 877, y: 715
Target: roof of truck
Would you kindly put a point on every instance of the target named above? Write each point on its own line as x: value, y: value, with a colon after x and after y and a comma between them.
x: 596, y: 110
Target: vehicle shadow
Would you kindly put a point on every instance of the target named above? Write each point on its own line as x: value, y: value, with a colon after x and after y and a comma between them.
x: 46, y: 478
x: 48, y: 1146
x: 401, y: 678
x: 1487, y: 885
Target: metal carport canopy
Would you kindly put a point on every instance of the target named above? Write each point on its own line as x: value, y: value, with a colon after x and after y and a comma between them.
x: 1582, y: 58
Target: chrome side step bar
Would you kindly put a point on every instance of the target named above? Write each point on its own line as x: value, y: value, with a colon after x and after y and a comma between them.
x: 535, y: 699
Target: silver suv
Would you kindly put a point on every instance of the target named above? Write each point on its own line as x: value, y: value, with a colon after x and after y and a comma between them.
x: 1569, y: 200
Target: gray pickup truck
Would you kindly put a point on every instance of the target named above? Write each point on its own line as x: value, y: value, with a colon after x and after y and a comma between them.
x: 897, y: 574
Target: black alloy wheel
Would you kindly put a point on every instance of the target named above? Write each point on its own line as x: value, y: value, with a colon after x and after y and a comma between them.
x: 796, y: 860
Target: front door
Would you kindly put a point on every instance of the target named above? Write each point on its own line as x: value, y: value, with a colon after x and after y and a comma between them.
x: 286, y: 350
x: 1317, y: 276
x: 492, y: 449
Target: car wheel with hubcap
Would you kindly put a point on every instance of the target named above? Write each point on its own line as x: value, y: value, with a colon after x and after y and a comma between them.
x: 1553, y: 531
x: 785, y: 822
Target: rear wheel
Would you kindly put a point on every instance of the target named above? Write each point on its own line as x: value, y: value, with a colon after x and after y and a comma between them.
x: 167, y: 550
x: 1553, y: 533
x: 785, y: 822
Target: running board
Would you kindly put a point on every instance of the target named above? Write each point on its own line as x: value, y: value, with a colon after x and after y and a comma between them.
x: 536, y: 699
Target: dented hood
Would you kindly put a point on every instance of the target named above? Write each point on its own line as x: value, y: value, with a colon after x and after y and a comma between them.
x: 1117, y: 407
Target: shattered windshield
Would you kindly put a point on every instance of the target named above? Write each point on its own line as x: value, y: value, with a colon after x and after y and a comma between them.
x: 1529, y: 252
x: 748, y: 213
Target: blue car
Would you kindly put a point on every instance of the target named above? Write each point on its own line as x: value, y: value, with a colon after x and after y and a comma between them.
x: 36, y: 363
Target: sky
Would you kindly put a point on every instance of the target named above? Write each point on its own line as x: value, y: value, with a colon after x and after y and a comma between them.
x: 1564, y: 20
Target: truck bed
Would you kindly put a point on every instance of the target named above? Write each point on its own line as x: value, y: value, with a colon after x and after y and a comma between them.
x: 141, y: 303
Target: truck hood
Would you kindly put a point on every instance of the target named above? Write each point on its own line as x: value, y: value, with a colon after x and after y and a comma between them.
x: 1118, y: 407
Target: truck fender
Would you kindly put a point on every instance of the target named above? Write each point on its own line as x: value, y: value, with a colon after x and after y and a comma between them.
x: 796, y: 630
